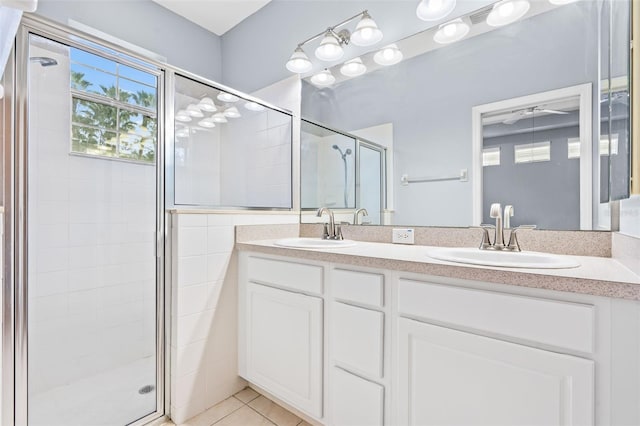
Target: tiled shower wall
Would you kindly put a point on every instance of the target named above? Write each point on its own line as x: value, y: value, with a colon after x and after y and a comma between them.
x: 203, y: 308
x: 91, y: 245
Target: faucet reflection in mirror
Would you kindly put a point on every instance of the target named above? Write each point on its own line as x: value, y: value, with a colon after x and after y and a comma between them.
x: 502, y: 224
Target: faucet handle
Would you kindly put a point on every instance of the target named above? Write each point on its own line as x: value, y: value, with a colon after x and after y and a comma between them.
x: 513, y: 244
x: 486, y: 240
x: 325, y: 231
x: 339, y: 235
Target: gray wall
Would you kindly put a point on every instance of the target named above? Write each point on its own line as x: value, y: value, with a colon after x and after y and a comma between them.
x: 429, y: 100
x: 255, y: 51
x: 545, y: 194
x: 148, y: 25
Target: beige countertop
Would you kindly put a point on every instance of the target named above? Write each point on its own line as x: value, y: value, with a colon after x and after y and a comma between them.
x: 598, y: 276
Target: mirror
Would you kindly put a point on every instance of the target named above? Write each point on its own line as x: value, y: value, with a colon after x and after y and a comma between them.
x: 435, y: 178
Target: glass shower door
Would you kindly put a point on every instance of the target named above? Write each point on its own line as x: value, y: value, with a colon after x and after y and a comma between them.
x: 91, y: 226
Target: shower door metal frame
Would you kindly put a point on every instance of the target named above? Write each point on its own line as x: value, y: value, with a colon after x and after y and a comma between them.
x: 8, y: 296
x: 360, y: 142
x: 16, y: 219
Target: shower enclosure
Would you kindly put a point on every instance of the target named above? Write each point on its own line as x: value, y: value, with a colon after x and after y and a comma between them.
x: 341, y: 171
x: 84, y: 204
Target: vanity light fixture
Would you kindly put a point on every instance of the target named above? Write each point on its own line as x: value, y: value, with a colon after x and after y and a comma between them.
x: 227, y: 97
x: 254, y: 106
x: 194, y: 111
x: 388, y: 55
x: 219, y: 117
x: 323, y: 78
x: 562, y: 2
x: 507, y: 11
x: 299, y: 62
x: 353, y: 68
x: 452, y: 31
x: 366, y: 33
x: 232, y: 113
x: 206, y: 104
x: 330, y: 48
x: 434, y: 10
x: 183, y: 116
x: 207, y: 123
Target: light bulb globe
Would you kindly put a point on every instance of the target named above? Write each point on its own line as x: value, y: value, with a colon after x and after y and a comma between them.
x: 434, y: 10
x: 506, y: 12
x: 329, y: 49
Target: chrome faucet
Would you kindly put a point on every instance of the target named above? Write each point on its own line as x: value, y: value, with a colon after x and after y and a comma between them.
x: 329, y: 232
x: 502, y: 223
x: 357, y: 213
x: 506, y: 219
x: 496, y: 213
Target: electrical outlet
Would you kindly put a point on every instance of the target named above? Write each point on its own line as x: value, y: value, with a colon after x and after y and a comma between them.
x: 402, y: 236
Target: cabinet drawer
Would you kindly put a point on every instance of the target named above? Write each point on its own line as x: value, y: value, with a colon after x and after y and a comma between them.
x: 355, y: 401
x: 561, y: 324
x: 357, y: 339
x: 296, y: 276
x: 358, y: 287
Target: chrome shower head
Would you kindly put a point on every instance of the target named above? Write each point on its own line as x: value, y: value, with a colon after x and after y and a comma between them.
x: 342, y: 154
x: 44, y: 61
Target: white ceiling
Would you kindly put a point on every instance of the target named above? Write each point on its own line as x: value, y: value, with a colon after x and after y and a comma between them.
x: 217, y: 16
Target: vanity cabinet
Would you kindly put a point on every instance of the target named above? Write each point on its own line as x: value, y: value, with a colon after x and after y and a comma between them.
x: 449, y: 377
x: 476, y: 374
x: 388, y: 347
x: 281, y: 344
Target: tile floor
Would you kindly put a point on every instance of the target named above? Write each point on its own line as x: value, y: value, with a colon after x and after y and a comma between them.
x: 246, y: 408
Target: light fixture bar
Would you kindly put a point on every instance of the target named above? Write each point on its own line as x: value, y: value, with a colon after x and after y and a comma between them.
x: 332, y: 29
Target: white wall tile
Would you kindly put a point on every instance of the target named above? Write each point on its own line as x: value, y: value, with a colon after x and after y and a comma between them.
x: 192, y: 328
x: 49, y: 260
x: 193, y: 241
x: 192, y: 270
x: 191, y: 220
x: 217, y: 265
x: 220, y: 239
x: 50, y: 283
x: 220, y: 219
x: 192, y: 299
x: 190, y: 358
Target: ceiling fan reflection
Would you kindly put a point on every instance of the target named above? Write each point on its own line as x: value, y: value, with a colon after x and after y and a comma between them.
x: 526, y: 112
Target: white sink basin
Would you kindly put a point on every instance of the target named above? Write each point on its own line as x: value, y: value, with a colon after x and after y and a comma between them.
x: 314, y: 243
x: 505, y: 259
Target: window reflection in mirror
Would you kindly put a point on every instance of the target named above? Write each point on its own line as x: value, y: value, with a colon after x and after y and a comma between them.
x: 538, y: 168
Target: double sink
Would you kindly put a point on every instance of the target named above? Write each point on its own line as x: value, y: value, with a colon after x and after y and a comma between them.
x: 474, y: 256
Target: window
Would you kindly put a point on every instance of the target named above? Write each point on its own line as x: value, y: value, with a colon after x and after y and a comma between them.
x: 114, y: 109
x: 491, y: 156
x: 573, y: 148
x: 573, y: 145
x: 532, y: 152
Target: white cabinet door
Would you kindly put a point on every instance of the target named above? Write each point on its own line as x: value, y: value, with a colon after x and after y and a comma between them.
x: 355, y: 401
x: 284, y: 345
x: 448, y: 377
x: 357, y: 338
